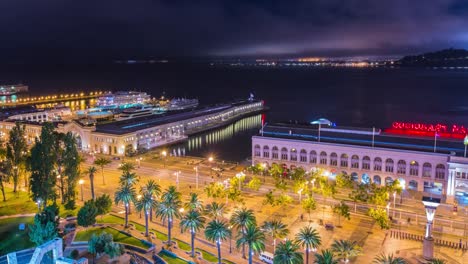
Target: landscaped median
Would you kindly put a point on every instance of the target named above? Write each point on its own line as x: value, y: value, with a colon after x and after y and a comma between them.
x: 119, y: 237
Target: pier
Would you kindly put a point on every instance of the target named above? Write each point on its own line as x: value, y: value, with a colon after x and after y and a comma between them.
x: 12, y: 101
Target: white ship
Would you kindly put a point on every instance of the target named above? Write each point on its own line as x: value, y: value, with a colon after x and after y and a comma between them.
x: 122, y: 99
x: 12, y: 89
x: 181, y: 104
x: 135, y: 112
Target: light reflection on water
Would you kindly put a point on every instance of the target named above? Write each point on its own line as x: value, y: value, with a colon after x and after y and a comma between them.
x: 231, y: 142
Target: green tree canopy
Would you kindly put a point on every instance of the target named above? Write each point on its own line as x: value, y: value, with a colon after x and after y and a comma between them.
x: 87, y: 214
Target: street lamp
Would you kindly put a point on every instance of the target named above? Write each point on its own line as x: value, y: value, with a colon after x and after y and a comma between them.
x: 164, y: 154
x: 196, y: 175
x: 177, y: 179
x: 38, y: 204
x: 388, y: 209
x: 80, y: 182
x: 239, y: 176
x: 230, y: 239
x: 300, y: 195
x: 138, y: 160
x: 210, y: 160
x: 431, y: 205
x: 263, y: 171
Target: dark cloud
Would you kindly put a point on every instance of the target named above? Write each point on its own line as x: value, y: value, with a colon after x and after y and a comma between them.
x: 105, y: 29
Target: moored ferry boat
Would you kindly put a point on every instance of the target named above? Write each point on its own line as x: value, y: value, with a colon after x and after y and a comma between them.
x: 178, y: 104
x: 12, y: 89
x: 135, y: 112
x: 122, y: 99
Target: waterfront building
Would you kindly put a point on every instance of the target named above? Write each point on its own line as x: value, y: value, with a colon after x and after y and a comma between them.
x: 432, y: 165
x: 116, y: 138
x: 44, y: 115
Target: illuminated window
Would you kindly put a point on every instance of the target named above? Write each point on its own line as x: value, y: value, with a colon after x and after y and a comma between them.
x: 414, y: 168
x: 323, y: 158
x: 284, y: 154
x: 274, y: 152
x: 333, y: 159
x: 427, y: 170
x: 378, y: 164
x: 389, y: 165
x: 266, y: 152
x: 344, y: 160
x: 355, y: 162
x: 366, y: 163
x: 303, y: 155
x: 293, y: 154
x: 401, y: 167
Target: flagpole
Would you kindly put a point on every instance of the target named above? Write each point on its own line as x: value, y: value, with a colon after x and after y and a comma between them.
x: 465, y: 151
x: 435, y: 141
x: 320, y: 125
x: 465, y: 142
x: 373, y: 136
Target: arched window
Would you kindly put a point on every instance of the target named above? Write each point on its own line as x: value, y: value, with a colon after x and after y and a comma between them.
x: 389, y: 165
x: 293, y: 154
x: 284, y: 154
x: 313, y: 157
x: 274, y: 152
x: 303, y: 155
x: 355, y: 162
x: 440, y: 171
x: 323, y: 158
x: 414, y: 168
x: 378, y: 164
x: 401, y: 167
x: 257, y: 151
x: 333, y: 159
x: 344, y: 160
x: 377, y: 180
x: 366, y: 163
x: 427, y: 170
x: 388, y: 181
x: 266, y: 152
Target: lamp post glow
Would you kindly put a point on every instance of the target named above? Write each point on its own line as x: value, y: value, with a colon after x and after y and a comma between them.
x: 210, y: 160
x: 239, y: 176
x: 164, y: 154
x: 230, y: 239
x: 177, y: 178
x: 300, y: 195
x: 196, y: 175
x: 263, y: 171
x: 181, y: 211
x: 138, y: 160
x: 80, y: 182
x: 430, y: 205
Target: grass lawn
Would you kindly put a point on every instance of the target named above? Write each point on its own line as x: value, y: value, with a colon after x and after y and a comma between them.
x: 11, y: 239
x: 183, y: 245
x: 225, y: 261
x: 110, y: 219
x: 85, y: 235
x: 208, y: 256
x: 16, y: 205
x: 138, y: 227
x: 170, y: 259
x: 159, y: 235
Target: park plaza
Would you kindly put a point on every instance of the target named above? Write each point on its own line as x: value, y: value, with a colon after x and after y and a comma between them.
x: 433, y: 165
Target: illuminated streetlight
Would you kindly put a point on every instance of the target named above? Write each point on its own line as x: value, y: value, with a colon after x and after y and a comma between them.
x: 239, y: 176
x: 196, y: 175
x: 164, y: 154
x: 230, y: 239
x: 263, y: 171
x: 300, y: 195
x: 80, y: 182
x: 177, y: 173
x: 181, y: 211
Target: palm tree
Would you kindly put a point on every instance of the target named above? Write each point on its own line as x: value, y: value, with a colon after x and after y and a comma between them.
x: 169, y: 208
x: 346, y: 249
x: 126, y: 195
x: 146, y: 203
x: 325, y: 257
x: 288, y: 253
x: 217, y: 231
x: 152, y: 187
x: 388, y: 259
x: 215, y: 210
x: 308, y: 238
x: 102, y: 162
x: 193, y: 221
x: 91, y: 171
x: 276, y: 230
x: 254, y: 238
x: 128, y: 178
x: 194, y: 203
x: 126, y: 167
x: 241, y: 219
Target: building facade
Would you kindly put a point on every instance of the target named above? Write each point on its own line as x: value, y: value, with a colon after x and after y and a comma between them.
x: 435, y: 173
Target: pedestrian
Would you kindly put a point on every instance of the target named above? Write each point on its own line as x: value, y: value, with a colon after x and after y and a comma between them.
x: 302, y: 217
x: 190, y: 187
x: 460, y: 244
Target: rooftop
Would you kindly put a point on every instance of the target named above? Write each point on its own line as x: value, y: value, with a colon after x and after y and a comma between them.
x: 363, y: 137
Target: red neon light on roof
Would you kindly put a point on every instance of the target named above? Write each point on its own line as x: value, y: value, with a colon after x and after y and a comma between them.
x: 428, y: 130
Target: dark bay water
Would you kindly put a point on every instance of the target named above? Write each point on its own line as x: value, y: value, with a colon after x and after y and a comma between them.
x: 347, y: 96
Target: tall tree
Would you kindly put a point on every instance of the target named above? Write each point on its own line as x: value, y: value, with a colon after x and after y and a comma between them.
x: 388, y: 259
x: 127, y: 167
x: 145, y: 204
x: 309, y: 205
x: 346, y: 249
x: 103, y: 204
x: 71, y: 164
x: 192, y: 221
x: 241, y: 219
x: 169, y: 207
x: 87, y: 214
x: 288, y: 253
x: 217, y: 231
x: 102, y: 162
x: 155, y: 190
x: 125, y: 194
x: 42, y: 166
x: 16, y: 152
x: 308, y: 238
x: 214, y: 210
x: 325, y: 257
x: 341, y: 209
x: 45, y: 225
x: 91, y: 171
x: 253, y: 238
x: 276, y: 230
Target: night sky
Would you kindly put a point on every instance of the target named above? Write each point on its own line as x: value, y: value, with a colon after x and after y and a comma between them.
x: 90, y: 30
